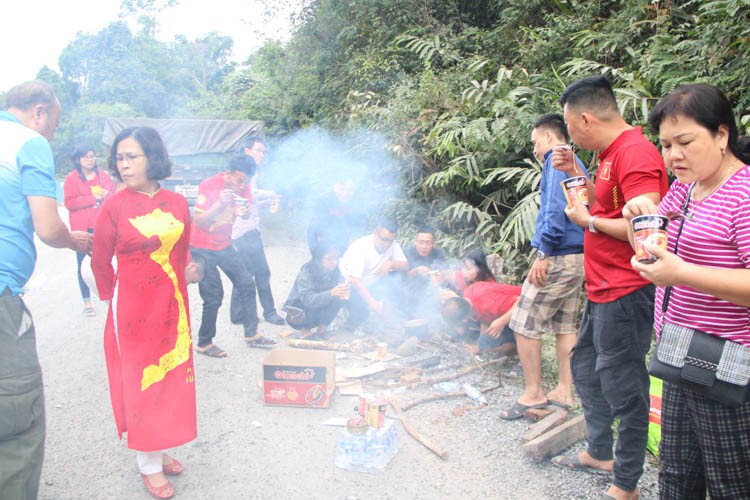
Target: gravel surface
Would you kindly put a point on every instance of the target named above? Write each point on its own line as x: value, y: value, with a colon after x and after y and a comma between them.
x: 246, y: 450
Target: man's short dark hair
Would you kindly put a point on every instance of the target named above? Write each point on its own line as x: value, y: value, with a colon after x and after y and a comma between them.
x: 242, y: 163
x: 388, y: 222
x: 26, y: 95
x: 593, y: 92
x: 553, y: 122
x: 424, y: 228
x: 251, y: 140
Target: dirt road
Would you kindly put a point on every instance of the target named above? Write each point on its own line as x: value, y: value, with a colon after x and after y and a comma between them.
x: 246, y: 450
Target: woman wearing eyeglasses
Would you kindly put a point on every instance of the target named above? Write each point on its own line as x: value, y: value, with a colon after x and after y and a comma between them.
x: 703, y: 285
x: 147, y: 337
x: 85, y: 188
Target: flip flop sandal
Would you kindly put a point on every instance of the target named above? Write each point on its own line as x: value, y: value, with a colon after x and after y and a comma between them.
x: 174, y: 468
x: 560, y: 404
x: 164, y: 491
x: 260, y: 342
x: 572, y: 462
x: 213, y: 352
x: 518, y: 410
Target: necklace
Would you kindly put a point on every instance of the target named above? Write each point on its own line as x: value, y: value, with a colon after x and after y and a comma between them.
x: 695, y: 203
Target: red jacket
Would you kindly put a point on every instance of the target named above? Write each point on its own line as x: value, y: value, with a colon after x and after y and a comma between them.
x: 79, y: 199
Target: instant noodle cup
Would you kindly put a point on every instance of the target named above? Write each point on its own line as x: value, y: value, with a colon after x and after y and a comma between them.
x: 649, y: 230
x: 575, y: 187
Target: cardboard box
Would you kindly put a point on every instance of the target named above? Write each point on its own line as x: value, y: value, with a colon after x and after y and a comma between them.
x: 299, y: 377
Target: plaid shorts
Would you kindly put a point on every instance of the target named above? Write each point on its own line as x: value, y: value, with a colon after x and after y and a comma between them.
x: 555, y: 306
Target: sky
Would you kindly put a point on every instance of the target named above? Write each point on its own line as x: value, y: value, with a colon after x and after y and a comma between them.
x: 34, y: 32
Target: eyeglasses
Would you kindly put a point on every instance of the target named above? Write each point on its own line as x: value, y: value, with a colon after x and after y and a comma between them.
x: 88, y: 157
x: 131, y: 157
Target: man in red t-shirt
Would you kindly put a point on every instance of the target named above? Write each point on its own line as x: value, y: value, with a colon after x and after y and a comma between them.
x: 221, y: 199
x: 608, y: 362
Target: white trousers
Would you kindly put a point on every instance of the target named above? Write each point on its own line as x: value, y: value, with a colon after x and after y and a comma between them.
x: 149, y: 462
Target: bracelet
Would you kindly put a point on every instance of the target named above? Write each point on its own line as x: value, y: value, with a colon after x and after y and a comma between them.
x: 592, y: 229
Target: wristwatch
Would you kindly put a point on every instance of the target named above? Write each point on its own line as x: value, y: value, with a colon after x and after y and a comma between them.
x: 541, y: 255
x: 592, y: 229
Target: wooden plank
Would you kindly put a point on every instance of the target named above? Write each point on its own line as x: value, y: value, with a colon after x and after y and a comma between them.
x: 556, y: 440
x: 557, y: 417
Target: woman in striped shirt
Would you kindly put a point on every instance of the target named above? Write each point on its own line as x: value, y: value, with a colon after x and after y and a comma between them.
x: 704, y: 443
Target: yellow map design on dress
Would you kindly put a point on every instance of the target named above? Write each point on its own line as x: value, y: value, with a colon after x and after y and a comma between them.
x: 168, y: 229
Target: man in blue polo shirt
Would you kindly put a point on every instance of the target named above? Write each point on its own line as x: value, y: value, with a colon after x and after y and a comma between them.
x: 27, y: 205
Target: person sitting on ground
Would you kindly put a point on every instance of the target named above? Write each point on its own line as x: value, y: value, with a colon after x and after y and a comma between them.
x: 473, y: 269
x: 371, y: 264
x: 337, y: 218
x: 492, y: 305
x: 318, y: 292
x: 425, y: 263
x: 424, y: 257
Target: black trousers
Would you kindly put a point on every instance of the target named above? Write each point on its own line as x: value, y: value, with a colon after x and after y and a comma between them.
x: 212, y: 292
x: 610, y: 375
x: 250, y: 248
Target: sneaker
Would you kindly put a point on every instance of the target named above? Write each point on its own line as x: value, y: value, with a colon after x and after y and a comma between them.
x: 274, y: 318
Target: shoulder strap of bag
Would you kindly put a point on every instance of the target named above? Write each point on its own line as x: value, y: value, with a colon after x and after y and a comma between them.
x: 683, y: 208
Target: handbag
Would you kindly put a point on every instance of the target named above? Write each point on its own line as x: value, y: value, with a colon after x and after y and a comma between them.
x: 709, y: 365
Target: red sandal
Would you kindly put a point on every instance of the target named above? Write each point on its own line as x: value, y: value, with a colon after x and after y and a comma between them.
x: 173, y: 468
x: 164, y: 491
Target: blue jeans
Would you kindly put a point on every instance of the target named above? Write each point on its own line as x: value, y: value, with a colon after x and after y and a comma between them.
x: 212, y: 292
x: 610, y: 375
x: 485, y: 342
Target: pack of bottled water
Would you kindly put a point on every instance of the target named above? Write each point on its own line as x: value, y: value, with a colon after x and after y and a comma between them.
x: 369, y: 452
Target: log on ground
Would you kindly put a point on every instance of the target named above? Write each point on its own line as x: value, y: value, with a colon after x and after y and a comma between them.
x: 556, y: 440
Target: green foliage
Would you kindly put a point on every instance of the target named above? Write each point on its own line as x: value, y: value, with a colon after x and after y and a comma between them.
x: 83, y: 124
x: 456, y: 86
x: 452, y: 86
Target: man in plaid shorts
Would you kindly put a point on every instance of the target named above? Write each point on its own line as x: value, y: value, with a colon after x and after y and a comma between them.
x: 551, y: 295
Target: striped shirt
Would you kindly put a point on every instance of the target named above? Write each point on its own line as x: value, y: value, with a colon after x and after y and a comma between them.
x: 716, y: 235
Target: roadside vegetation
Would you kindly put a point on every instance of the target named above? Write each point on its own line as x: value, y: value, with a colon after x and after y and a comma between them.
x: 453, y: 87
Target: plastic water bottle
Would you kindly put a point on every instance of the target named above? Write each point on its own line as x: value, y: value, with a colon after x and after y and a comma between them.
x: 358, y: 451
x: 370, y: 452
x: 446, y: 387
x: 344, y: 451
x: 474, y: 394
